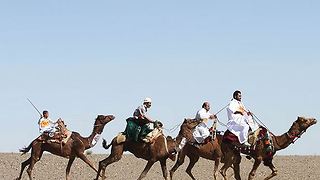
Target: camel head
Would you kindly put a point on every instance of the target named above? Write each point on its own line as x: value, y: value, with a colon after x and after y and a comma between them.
x: 300, y: 126
x: 101, y: 121
x: 305, y: 123
x: 171, y: 143
x: 186, y: 129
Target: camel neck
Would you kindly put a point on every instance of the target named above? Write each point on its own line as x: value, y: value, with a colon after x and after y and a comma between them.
x: 94, y: 136
x: 281, y: 142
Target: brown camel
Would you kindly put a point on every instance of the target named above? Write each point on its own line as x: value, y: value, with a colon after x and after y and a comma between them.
x: 161, y: 148
x: 232, y: 154
x: 74, y: 147
x: 210, y: 150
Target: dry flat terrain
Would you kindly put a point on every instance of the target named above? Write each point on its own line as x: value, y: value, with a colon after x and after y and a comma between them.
x: 129, y: 167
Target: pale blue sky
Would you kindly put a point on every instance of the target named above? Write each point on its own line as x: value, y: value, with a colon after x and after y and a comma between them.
x: 79, y: 59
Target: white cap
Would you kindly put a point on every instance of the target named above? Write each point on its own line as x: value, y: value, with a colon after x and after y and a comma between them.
x: 147, y: 100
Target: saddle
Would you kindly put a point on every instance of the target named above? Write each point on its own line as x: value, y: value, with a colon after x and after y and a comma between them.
x: 62, y: 134
x: 261, y: 134
x: 138, y: 133
x: 205, y: 141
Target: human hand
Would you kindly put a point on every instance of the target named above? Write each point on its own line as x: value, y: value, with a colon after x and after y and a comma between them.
x: 213, y: 116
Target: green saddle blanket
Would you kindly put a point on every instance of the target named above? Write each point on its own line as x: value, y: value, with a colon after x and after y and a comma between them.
x: 135, y: 132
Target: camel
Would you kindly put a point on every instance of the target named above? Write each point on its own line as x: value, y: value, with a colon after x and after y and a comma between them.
x: 74, y: 147
x: 232, y: 154
x: 160, y: 149
x: 210, y: 150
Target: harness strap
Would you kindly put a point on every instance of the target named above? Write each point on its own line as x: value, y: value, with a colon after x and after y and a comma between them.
x: 165, y: 144
x: 295, y: 137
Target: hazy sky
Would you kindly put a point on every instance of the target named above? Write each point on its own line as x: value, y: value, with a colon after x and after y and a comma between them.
x: 79, y: 59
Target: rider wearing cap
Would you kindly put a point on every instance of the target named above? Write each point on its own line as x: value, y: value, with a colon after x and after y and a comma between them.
x: 140, y: 125
x: 140, y: 114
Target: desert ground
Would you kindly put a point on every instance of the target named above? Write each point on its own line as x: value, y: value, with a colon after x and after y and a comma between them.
x: 129, y: 167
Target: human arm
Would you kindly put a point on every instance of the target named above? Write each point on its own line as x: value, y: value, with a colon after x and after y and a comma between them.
x: 148, y: 119
x: 140, y: 113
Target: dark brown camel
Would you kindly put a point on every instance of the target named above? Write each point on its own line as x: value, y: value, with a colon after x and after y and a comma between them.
x: 159, y: 150
x: 73, y: 148
x: 232, y: 155
x: 210, y: 150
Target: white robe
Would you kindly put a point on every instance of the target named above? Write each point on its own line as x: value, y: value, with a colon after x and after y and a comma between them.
x: 46, y: 125
x: 201, y: 131
x: 239, y: 124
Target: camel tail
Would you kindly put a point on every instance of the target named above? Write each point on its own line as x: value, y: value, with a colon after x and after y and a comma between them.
x: 25, y: 149
x: 104, y: 144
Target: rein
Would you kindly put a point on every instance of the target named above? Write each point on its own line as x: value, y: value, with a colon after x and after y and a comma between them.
x: 173, y: 129
x: 221, y: 123
x: 261, y: 123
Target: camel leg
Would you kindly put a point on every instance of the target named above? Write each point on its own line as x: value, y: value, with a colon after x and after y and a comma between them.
x: 216, y: 166
x: 36, y: 154
x: 180, y: 161
x: 87, y: 161
x: 71, y: 159
x: 193, y: 160
x: 217, y: 157
x: 274, y: 171
x: 104, y: 163
x: 23, y: 165
x: 236, y: 166
x: 146, y: 169
x: 116, y: 154
x: 35, y: 158
x: 256, y: 164
x: 164, y: 168
x: 228, y: 161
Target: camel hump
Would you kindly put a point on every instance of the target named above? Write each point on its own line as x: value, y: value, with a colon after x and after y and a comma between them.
x: 154, y: 134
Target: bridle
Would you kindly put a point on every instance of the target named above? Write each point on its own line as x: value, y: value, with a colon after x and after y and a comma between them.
x: 294, y: 136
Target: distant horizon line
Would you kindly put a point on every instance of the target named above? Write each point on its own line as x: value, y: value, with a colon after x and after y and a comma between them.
x: 128, y: 153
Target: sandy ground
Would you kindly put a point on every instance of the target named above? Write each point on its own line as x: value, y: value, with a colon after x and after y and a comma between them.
x: 130, y: 167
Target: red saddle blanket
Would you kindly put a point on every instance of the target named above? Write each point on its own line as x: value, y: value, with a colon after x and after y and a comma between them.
x: 263, y: 136
x: 230, y: 137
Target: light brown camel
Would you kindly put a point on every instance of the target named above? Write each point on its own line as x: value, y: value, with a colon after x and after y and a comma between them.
x: 210, y: 150
x: 232, y: 154
x: 74, y: 147
x: 161, y: 148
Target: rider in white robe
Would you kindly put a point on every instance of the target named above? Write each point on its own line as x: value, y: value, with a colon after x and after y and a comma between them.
x: 46, y: 124
x: 240, y: 119
x: 201, y: 131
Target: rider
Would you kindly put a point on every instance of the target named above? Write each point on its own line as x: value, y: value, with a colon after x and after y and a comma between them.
x: 240, y: 119
x: 46, y: 125
x: 201, y: 131
x: 139, y: 124
x: 50, y: 129
x: 140, y: 114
